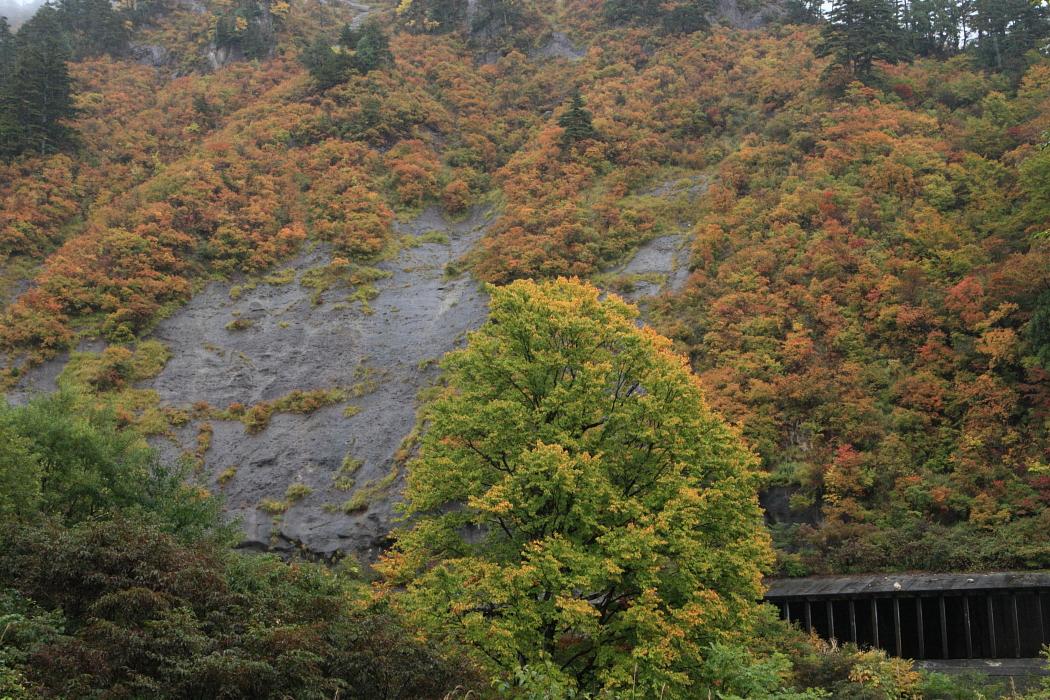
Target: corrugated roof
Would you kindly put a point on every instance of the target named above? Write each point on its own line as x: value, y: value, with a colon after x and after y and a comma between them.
x: 842, y: 586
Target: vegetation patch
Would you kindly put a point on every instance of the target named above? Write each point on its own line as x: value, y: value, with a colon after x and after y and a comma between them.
x: 297, y: 492
x: 366, y: 494
x: 257, y: 417
x: 239, y: 324
x: 272, y: 506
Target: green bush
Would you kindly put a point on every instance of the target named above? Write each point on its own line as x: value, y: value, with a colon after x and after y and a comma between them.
x: 71, y: 464
x: 146, y: 615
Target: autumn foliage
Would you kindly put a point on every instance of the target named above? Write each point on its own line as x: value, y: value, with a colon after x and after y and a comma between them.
x: 869, y: 263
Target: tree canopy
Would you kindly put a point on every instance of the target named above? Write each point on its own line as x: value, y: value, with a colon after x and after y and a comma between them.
x: 36, y: 99
x: 576, y: 503
x: 860, y: 32
x: 576, y: 121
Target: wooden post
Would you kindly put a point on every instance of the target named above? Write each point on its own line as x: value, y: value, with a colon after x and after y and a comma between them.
x: 809, y: 617
x: 897, y: 626
x: 969, y: 631
x: 991, y: 625
x: 853, y: 621
x: 922, y: 632
x: 1017, y: 626
x: 1039, y: 612
x: 875, y: 623
x: 831, y: 621
x: 944, y: 628
x: 787, y: 611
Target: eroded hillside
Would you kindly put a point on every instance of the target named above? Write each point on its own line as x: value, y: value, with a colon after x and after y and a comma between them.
x: 261, y: 274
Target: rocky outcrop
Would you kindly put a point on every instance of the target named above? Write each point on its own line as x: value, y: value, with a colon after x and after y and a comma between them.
x: 749, y: 14
x: 382, y: 351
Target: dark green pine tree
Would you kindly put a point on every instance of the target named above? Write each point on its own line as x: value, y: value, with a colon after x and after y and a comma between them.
x: 860, y: 32
x: 937, y: 26
x: 576, y: 121
x: 689, y: 17
x: 1039, y: 329
x: 348, y: 37
x: 373, y: 48
x: 618, y: 11
x: 327, y: 66
x: 7, y: 51
x: 37, y: 99
x: 1007, y: 29
x: 94, y: 28
x: 7, y: 68
x: 803, y: 11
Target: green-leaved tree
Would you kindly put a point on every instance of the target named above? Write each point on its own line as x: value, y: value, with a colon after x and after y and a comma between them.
x: 860, y: 32
x: 576, y: 506
x: 356, y: 52
x: 36, y: 99
x: 576, y: 121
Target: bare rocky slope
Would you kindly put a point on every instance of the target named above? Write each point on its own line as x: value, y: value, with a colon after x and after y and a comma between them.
x: 382, y: 351
x: 251, y: 341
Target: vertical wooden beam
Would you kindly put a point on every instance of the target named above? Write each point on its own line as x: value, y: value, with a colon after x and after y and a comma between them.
x: 809, y: 617
x: 991, y: 625
x: 1039, y: 612
x: 1017, y: 626
x: 831, y: 621
x: 969, y: 629
x: 787, y: 611
x: 944, y: 627
x: 875, y: 623
x: 897, y: 626
x: 922, y: 632
x: 852, y: 621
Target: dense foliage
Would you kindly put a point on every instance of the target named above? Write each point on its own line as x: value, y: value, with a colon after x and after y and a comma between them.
x: 867, y: 212
x: 610, y: 525
x: 35, y: 97
x: 116, y: 580
x: 355, y: 51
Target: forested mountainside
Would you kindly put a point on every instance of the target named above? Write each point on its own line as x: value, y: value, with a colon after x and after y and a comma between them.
x: 245, y: 232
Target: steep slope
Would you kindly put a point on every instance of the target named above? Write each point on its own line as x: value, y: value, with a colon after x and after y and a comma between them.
x: 857, y: 273
x: 380, y: 349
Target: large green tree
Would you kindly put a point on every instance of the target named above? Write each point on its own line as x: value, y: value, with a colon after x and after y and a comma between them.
x: 62, y: 461
x: 936, y: 27
x: 1007, y: 29
x: 860, y: 32
x: 37, y: 96
x: 576, y: 121
x: 355, y: 52
x: 372, y: 48
x: 577, y: 507
x: 7, y: 51
x: 117, y: 579
x: 93, y: 27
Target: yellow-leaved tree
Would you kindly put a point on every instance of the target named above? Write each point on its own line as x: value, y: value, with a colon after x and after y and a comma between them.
x: 577, y: 510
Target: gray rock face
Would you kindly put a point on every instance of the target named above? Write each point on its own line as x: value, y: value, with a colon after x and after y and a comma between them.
x: 383, y: 351
x: 751, y: 16
x: 294, y: 343
x: 558, y: 46
x: 39, y: 379
x: 219, y: 56
x: 150, y: 55
x: 661, y: 265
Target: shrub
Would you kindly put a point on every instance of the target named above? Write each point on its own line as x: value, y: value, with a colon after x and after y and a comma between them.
x: 297, y: 492
x: 119, y: 608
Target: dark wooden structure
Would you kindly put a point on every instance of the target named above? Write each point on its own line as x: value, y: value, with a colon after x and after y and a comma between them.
x: 924, y: 616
